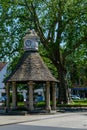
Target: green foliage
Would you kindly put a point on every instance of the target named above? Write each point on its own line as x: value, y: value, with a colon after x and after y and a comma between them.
x: 11, y: 41
x: 19, y: 97
x: 48, y: 62
x: 78, y: 64
x: 40, y: 104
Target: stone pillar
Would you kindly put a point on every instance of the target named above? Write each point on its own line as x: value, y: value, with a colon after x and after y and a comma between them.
x: 31, y: 107
x: 53, y: 96
x: 14, y: 95
x: 48, y: 107
x: 8, y: 96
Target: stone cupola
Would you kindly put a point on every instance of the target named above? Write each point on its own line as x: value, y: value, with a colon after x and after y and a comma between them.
x: 31, y: 41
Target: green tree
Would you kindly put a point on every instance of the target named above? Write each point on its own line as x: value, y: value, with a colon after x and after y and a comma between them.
x: 78, y: 66
x: 60, y: 24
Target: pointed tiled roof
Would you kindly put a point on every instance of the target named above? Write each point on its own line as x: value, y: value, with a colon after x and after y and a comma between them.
x: 31, y: 68
x: 2, y: 64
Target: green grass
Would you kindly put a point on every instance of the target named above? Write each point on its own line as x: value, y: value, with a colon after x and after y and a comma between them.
x: 20, y: 103
x: 40, y: 104
x: 74, y: 103
x: 80, y: 102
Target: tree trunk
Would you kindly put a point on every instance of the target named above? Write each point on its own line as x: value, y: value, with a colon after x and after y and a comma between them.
x: 62, y: 96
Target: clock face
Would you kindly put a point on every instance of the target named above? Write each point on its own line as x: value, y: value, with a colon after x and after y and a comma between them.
x: 28, y: 43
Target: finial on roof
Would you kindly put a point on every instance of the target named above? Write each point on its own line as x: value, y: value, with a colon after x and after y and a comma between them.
x: 31, y: 34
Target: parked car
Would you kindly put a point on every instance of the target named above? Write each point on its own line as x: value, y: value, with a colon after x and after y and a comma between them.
x: 2, y: 99
x: 75, y: 97
x: 38, y: 98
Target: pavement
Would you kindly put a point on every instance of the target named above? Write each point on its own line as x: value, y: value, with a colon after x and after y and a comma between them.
x: 6, y: 119
x: 59, y: 119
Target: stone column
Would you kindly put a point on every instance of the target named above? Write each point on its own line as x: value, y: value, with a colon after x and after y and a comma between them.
x: 53, y: 96
x: 8, y: 96
x: 31, y: 107
x: 48, y: 107
x: 14, y: 95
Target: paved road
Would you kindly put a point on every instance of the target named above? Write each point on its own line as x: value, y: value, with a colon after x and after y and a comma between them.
x: 67, y: 121
x: 59, y: 121
x: 30, y: 127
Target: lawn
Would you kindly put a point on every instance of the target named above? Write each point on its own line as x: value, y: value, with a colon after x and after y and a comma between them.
x: 74, y: 103
x: 82, y: 102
